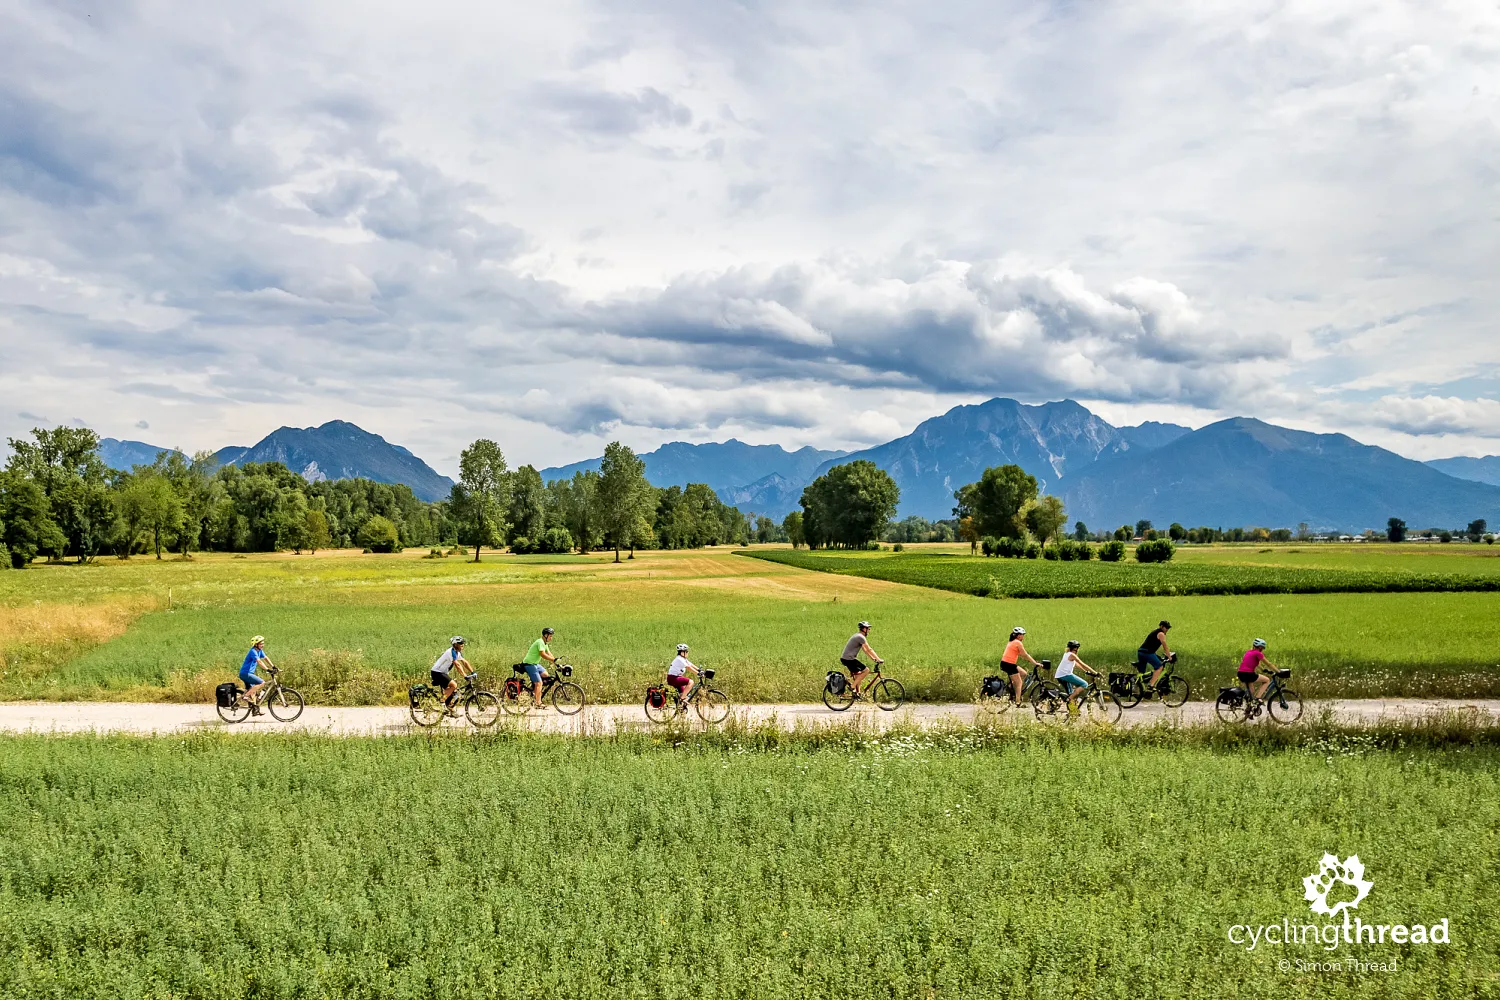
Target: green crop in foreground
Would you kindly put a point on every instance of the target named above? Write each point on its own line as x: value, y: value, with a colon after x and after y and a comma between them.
x: 905, y: 867
x: 1040, y: 578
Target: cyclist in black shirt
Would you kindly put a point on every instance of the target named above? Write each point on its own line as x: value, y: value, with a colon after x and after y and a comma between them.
x: 1155, y: 649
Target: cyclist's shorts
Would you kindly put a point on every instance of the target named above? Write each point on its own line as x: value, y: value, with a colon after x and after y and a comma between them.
x: 853, y: 666
x: 680, y: 682
x: 1009, y: 668
x: 1149, y: 659
x: 250, y: 678
x: 441, y: 679
x: 1070, y: 681
x: 534, y: 671
x: 1247, y: 678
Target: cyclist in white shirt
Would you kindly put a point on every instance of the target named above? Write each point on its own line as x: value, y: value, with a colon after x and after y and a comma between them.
x: 442, y: 671
x: 677, y: 673
x: 1067, y: 672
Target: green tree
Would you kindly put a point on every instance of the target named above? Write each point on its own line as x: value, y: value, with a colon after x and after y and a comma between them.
x: 1142, y: 526
x: 625, y: 500
x: 995, y: 502
x: 130, y: 500
x: 792, y: 526
x: 1045, y: 518
x: 1177, y: 532
x: 1477, y: 529
x: 480, y: 498
x: 573, y: 501
x: 528, y: 504
x: 1124, y: 533
x: 1395, y: 530
x: 379, y: 534
x: 65, y: 463
x: 849, y: 505
x: 1080, y: 531
x: 317, y: 534
x: 29, y: 528
x: 161, y: 510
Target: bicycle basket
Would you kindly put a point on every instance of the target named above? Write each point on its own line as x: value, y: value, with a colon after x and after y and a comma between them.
x: 1046, y: 664
x: 993, y: 686
x: 1284, y: 673
x: 837, y: 681
x: 656, y: 697
x: 565, y: 670
x: 224, y: 694
x: 708, y: 674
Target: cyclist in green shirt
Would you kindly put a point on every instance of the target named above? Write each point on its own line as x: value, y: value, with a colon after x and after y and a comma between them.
x: 539, y: 651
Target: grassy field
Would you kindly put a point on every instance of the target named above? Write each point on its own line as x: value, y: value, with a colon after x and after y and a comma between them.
x: 354, y: 628
x: 908, y: 866
x: 1229, y: 570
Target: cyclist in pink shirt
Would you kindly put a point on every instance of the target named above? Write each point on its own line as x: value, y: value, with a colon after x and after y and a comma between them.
x: 1255, y: 669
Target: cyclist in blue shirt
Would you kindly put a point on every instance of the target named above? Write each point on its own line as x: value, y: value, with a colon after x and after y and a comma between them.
x: 248, y: 676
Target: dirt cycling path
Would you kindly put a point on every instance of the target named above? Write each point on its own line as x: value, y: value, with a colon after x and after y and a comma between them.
x: 172, y: 719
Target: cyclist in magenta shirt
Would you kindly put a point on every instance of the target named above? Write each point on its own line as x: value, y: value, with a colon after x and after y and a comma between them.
x: 1253, y: 673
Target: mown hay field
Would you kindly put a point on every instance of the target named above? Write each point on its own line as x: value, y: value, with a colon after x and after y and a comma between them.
x: 910, y: 865
x: 357, y: 629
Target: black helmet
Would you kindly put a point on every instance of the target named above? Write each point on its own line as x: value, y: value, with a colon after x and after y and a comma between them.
x: 547, y: 631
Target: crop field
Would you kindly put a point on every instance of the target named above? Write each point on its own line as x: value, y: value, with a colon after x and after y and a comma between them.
x: 1213, y: 572
x: 357, y: 629
x: 898, y: 866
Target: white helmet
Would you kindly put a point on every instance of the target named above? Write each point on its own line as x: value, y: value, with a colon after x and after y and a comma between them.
x: 1018, y: 630
x: 1259, y: 644
x: 682, y: 647
x: 457, y: 640
x: 863, y: 625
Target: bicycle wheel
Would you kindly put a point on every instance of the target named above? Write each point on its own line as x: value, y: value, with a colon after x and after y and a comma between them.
x: 663, y: 713
x: 516, y: 697
x: 235, y: 711
x: 567, y: 698
x: 482, y: 709
x: 1133, y: 693
x: 427, y: 710
x: 1286, y: 707
x: 1099, y: 707
x: 841, y: 701
x: 1232, y: 706
x: 712, y: 705
x: 285, y: 705
x: 1048, y: 703
x: 1177, y: 692
x: 888, y: 694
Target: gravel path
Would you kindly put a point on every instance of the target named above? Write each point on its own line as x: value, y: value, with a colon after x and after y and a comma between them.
x: 168, y: 719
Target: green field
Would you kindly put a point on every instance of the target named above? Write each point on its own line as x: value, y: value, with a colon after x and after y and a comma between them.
x: 354, y: 628
x: 905, y: 866
x: 1224, y: 570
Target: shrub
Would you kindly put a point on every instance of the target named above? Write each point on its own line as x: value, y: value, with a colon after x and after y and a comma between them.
x: 1052, y: 552
x: 1032, y: 550
x: 898, y: 547
x: 1112, y: 551
x: 1445, y: 537
x: 1156, y: 550
x: 521, y: 546
x: 1083, y: 551
x: 989, y: 545
x: 378, y: 534
x: 435, y: 554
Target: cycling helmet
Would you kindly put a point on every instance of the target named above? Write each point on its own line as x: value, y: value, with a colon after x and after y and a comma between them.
x: 548, y: 631
x: 257, y: 640
x: 1259, y: 644
x: 1073, y: 644
x: 1018, y: 630
x: 457, y: 640
x: 863, y: 625
x: 682, y: 647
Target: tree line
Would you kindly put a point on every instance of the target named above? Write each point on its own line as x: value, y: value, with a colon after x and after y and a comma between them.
x: 59, y: 500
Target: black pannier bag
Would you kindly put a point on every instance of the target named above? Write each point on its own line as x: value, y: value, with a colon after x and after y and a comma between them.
x: 836, y: 681
x: 224, y: 694
x: 1231, y: 696
x: 1119, y: 682
x: 993, y: 686
x: 656, y: 697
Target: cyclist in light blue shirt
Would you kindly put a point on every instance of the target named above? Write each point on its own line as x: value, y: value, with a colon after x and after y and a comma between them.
x: 248, y: 676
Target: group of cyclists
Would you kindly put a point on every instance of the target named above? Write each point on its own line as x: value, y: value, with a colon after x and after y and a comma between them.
x: 1073, y: 675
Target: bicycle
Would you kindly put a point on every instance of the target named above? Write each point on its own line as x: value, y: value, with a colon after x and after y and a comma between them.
x: 480, y: 707
x: 285, y: 703
x: 886, y: 693
x: 1131, y: 689
x: 1237, y: 704
x: 1092, y: 704
x: 996, y: 693
x: 517, y: 698
x: 665, y: 703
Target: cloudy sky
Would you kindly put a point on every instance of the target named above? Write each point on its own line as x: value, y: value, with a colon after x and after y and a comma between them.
x: 798, y: 222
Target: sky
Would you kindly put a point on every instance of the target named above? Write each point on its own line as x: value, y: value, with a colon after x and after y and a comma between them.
x: 556, y: 225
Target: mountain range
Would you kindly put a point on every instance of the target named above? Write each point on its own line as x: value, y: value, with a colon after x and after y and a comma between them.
x: 1235, y: 472
x: 335, y: 450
